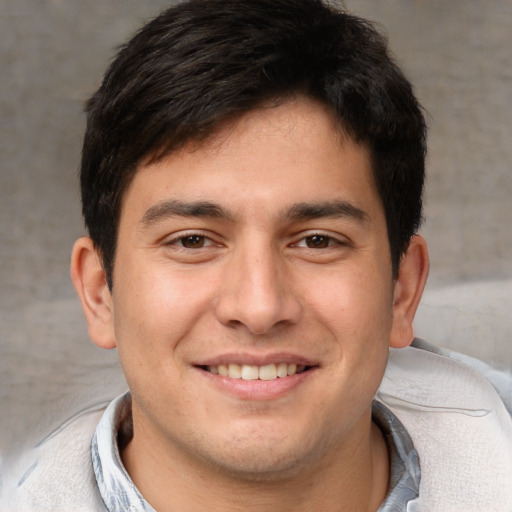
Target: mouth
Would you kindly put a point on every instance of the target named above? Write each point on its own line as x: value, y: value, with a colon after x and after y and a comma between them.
x: 266, y: 372
x: 256, y: 377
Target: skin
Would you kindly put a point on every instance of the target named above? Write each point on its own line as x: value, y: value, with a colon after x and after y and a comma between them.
x: 286, y: 258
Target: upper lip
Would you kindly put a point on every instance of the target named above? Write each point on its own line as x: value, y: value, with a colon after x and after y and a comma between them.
x: 256, y: 359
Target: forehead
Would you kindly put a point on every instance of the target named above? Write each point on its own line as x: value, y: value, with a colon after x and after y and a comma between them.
x: 270, y: 157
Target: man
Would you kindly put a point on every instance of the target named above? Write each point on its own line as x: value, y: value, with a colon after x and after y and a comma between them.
x: 251, y: 178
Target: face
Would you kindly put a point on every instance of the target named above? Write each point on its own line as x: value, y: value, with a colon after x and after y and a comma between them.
x: 253, y: 294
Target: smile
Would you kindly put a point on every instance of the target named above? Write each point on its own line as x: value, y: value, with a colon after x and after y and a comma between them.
x: 252, y: 372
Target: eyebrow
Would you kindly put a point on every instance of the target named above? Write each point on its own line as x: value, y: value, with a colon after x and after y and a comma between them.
x: 334, y: 209
x: 175, y: 208
x: 207, y: 209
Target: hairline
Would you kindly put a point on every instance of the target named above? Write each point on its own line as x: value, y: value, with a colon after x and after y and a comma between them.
x: 160, y: 152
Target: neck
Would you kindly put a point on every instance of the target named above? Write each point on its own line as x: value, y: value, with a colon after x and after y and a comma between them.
x: 351, y: 477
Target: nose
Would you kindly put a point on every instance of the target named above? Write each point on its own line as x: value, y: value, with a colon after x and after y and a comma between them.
x: 257, y: 292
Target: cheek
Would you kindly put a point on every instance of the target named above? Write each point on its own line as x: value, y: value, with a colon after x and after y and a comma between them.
x: 353, y: 300
x: 356, y: 310
x: 157, y: 307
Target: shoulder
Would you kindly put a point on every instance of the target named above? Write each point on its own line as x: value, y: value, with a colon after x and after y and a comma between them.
x: 459, y: 426
x: 57, y: 474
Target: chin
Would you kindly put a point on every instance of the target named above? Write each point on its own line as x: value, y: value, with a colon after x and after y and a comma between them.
x: 261, y: 459
x: 262, y: 468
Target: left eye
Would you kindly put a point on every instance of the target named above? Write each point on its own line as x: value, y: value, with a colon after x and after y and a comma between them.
x: 317, y: 241
x: 193, y: 241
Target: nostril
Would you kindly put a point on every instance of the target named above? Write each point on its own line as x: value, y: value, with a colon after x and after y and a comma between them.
x: 234, y: 323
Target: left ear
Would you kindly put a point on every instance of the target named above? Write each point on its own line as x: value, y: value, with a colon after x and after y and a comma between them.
x: 412, y: 276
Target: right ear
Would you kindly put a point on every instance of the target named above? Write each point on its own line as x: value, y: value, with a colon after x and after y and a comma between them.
x: 91, y: 285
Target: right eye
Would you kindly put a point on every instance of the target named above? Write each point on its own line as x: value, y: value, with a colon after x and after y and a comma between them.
x: 318, y: 241
x: 192, y: 241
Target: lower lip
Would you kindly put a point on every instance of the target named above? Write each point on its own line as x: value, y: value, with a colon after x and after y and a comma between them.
x: 258, y: 389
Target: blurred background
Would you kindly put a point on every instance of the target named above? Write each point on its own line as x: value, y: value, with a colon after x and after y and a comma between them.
x: 52, y: 56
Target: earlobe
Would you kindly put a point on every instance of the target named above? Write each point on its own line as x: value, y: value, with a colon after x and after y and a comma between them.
x: 408, y: 290
x: 90, y: 283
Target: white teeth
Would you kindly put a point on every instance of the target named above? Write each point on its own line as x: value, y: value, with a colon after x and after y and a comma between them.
x: 249, y: 372
x: 235, y: 371
x: 282, y: 370
x: 268, y: 372
x: 252, y: 372
x: 292, y: 369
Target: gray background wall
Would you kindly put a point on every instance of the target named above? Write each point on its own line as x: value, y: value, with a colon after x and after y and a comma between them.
x: 52, y: 54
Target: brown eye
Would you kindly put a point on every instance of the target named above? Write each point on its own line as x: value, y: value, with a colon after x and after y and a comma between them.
x: 318, y: 241
x: 193, y: 241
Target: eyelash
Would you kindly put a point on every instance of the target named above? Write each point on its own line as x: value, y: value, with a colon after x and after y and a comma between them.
x: 178, y: 241
x: 207, y: 241
x: 331, y: 241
